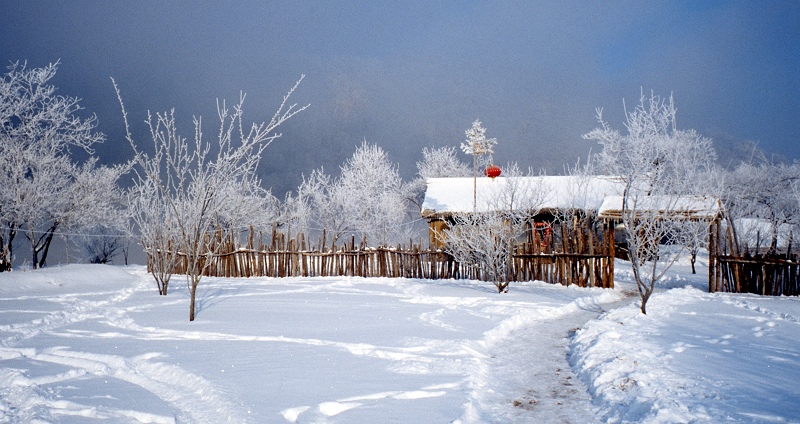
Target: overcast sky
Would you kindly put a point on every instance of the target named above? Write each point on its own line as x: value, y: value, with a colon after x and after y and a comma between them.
x: 411, y: 74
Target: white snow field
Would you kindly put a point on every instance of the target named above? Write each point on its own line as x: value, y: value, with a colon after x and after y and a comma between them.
x: 90, y: 343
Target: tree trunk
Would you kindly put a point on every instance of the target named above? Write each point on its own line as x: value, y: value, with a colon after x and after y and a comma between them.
x: 162, y: 288
x: 645, y: 290
x: 773, y: 244
x: 7, y: 248
x: 194, y: 277
x: 46, y: 246
x: 192, y: 293
x: 40, y: 244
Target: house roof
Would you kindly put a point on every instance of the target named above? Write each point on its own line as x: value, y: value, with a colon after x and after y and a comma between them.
x: 686, y: 207
x: 454, y: 195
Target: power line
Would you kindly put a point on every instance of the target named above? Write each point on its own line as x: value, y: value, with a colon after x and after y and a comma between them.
x: 127, y: 235
x: 64, y: 233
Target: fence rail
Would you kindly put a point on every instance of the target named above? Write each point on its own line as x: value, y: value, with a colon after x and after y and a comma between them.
x: 294, y: 258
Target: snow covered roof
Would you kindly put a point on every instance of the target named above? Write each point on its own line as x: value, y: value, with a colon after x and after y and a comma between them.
x: 688, y: 207
x: 453, y: 195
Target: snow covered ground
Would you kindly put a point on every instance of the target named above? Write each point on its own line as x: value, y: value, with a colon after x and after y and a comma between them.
x: 85, y: 343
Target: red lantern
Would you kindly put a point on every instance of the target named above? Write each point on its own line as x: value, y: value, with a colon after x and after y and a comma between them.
x: 492, y: 171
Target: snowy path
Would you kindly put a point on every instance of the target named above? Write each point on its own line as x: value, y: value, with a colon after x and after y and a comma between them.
x: 527, y: 376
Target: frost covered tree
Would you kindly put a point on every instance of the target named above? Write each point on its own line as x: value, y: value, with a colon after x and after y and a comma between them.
x: 101, y: 225
x: 796, y: 197
x: 476, y: 142
x: 696, y: 234
x: 102, y: 245
x: 484, y: 241
x: 661, y: 166
x: 441, y: 162
x: 43, y: 191
x: 761, y: 191
x: 245, y: 205
x: 478, y: 146
x: 194, y: 186
x: 376, y: 203
x: 368, y: 200
x: 436, y: 163
x: 295, y: 215
x: 320, y: 204
x: 153, y: 221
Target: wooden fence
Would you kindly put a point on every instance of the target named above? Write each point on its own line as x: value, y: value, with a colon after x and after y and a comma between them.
x: 775, y: 275
x: 737, y: 269
x: 589, y: 264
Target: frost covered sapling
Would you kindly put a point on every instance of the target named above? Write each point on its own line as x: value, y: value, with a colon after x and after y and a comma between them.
x: 193, y: 185
x: 660, y: 166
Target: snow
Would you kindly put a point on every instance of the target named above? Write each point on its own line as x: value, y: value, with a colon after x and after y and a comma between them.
x: 696, y: 357
x: 87, y: 343
x: 697, y: 207
x: 456, y: 194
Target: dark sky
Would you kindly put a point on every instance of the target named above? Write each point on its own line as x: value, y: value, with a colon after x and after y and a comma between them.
x: 411, y: 74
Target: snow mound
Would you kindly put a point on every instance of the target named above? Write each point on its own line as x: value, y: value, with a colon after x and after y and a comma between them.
x: 696, y: 357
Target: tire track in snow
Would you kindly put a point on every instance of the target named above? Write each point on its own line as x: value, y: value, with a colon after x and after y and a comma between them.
x: 430, y: 354
x: 196, y: 399
x: 73, y: 310
x: 22, y: 397
x: 328, y: 409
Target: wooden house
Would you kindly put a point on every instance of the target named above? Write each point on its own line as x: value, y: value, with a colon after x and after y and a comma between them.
x: 545, y: 197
